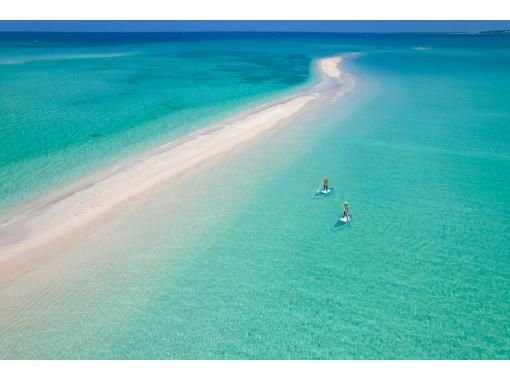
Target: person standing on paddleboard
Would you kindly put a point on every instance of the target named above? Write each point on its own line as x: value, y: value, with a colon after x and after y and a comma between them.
x: 346, y: 210
x: 325, y: 184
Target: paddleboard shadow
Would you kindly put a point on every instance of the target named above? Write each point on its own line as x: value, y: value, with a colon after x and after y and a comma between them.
x: 321, y: 193
x: 341, y: 222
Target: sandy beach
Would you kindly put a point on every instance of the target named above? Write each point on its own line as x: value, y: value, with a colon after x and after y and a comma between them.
x: 30, y: 235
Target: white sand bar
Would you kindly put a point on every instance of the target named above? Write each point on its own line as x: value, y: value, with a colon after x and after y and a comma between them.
x: 330, y: 66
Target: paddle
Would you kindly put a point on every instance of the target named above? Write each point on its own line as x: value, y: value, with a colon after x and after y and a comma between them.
x: 321, y: 187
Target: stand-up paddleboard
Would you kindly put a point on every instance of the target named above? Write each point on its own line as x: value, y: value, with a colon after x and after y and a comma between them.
x: 324, y: 193
x: 342, y: 222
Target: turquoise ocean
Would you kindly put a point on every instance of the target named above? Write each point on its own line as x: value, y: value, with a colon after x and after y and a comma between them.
x: 239, y: 262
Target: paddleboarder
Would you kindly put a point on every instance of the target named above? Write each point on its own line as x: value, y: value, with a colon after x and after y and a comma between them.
x: 325, y: 184
x: 346, y: 210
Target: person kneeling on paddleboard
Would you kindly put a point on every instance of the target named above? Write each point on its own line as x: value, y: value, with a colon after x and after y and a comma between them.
x: 325, y: 184
x: 346, y: 210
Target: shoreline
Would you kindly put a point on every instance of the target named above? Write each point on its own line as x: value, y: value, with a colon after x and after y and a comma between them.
x: 37, y: 231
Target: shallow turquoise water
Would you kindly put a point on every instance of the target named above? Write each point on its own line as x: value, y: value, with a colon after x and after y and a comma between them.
x: 250, y: 268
